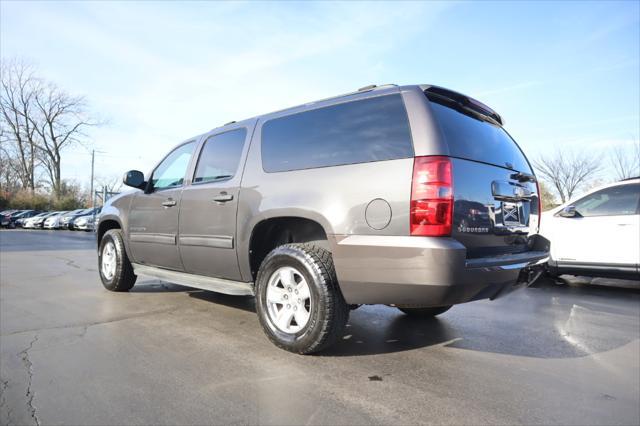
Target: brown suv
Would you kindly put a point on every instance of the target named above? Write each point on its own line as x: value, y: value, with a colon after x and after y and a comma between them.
x: 411, y: 196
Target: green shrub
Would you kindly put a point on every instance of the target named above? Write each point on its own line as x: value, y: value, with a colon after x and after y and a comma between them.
x: 26, y: 199
x: 67, y: 202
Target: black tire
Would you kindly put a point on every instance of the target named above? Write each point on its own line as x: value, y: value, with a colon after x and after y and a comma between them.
x: 425, y: 312
x: 123, y: 278
x: 328, y: 312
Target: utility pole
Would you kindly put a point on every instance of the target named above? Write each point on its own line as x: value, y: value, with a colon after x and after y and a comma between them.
x: 93, y: 157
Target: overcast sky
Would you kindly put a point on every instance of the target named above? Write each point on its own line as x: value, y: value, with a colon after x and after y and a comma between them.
x: 561, y: 74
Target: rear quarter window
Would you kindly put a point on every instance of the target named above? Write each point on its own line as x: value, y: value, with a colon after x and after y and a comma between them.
x: 474, y: 139
x: 372, y: 129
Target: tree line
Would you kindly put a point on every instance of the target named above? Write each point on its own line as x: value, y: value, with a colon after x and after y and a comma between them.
x: 567, y: 172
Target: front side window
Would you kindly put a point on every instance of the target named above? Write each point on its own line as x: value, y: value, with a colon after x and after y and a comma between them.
x: 614, y: 201
x: 170, y: 173
x: 220, y: 156
x: 372, y: 129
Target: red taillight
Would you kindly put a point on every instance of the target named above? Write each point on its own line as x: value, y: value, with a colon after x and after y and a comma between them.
x: 431, y: 207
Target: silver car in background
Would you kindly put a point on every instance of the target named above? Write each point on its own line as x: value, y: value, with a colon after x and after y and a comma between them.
x: 54, y: 221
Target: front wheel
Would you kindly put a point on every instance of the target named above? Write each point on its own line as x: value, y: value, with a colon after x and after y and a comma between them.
x: 425, y: 312
x: 115, y: 268
x: 298, y: 300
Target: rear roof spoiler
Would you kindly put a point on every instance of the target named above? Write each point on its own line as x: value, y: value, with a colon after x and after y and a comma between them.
x: 464, y: 101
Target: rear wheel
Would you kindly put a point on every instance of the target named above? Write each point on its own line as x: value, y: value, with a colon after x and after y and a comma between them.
x: 298, y: 301
x: 425, y: 312
x: 115, y: 268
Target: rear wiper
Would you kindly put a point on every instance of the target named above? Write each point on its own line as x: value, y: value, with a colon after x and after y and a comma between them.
x: 523, y: 177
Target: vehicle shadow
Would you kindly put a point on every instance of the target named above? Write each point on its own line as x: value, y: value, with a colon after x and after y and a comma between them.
x: 544, y: 321
x: 157, y: 286
x: 246, y: 303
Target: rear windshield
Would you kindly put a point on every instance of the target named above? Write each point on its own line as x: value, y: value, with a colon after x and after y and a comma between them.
x: 475, y: 139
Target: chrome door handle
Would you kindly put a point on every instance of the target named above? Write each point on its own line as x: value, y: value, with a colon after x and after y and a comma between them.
x: 223, y: 197
x: 169, y: 203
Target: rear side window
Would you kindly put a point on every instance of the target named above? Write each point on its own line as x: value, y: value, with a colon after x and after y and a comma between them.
x: 373, y: 129
x: 614, y: 201
x: 474, y: 139
x: 220, y: 156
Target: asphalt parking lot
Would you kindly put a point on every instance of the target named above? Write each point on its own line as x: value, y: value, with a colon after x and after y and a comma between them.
x: 73, y: 353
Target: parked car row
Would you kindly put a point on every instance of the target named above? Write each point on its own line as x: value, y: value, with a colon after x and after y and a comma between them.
x: 80, y: 219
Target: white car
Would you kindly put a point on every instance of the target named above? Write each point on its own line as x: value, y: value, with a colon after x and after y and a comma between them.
x: 54, y: 222
x: 30, y: 222
x: 85, y: 223
x: 597, y: 234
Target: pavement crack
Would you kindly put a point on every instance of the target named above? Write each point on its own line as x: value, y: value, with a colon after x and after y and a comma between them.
x: 69, y: 262
x: 4, y: 384
x: 85, y: 326
x: 30, y: 394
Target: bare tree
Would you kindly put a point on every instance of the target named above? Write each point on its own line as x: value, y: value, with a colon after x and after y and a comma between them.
x: 567, y: 171
x: 60, y: 122
x: 625, y: 161
x: 39, y: 121
x: 17, y: 134
x: 9, y: 173
x: 109, y: 183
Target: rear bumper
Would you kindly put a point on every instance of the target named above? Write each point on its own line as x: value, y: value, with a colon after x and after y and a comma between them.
x: 425, y: 271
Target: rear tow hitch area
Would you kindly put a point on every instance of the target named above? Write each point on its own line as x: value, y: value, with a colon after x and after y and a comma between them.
x: 526, y: 277
x: 529, y: 275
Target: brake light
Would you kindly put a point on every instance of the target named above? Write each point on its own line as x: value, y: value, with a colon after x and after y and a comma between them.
x: 431, y: 209
x: 539, y: 204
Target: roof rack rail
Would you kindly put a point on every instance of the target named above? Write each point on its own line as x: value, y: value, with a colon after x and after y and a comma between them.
x: 369, y: 87
x: 231, y: 122
x: 375, y: 86
x: 361, y: 90
x: 630, y: 178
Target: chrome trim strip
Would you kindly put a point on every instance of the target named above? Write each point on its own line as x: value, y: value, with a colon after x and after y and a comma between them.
x: 218, y: 241
x: 508, y: 262
x: 596, y: 266
x: 219, y: 285
x: 169, y: 239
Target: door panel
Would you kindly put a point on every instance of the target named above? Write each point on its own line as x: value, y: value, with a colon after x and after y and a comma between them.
x: 153, y: 216
x: 207, y: 231
x: 209, y: 206
x: 153, y: 229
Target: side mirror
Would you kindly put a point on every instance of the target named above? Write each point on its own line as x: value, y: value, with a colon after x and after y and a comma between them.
x: 135, y: 179
x: 569, y: 211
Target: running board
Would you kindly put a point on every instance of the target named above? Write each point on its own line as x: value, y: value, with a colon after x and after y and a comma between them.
x: 219, y: 285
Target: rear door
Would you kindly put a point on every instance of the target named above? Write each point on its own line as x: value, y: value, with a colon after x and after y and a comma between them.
x: 209, y: 205
x: 153, y: 215
x: 495, y: 194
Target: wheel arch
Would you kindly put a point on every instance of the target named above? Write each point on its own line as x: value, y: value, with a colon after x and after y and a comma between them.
x: 273, y: 231
x: 106, y: 223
